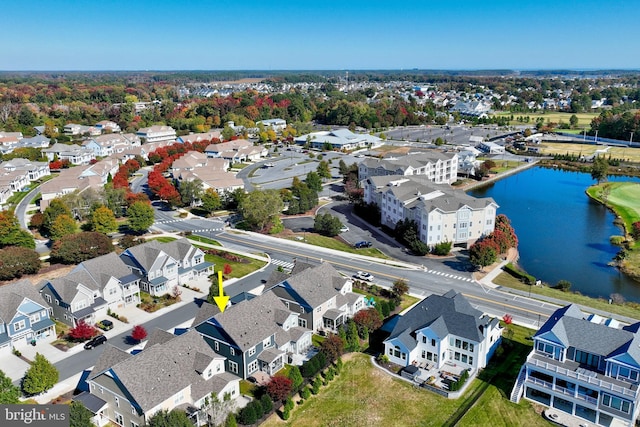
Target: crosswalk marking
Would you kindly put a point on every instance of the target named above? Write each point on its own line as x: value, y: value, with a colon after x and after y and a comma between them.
x: 452, y: 276
x: 283, y: 264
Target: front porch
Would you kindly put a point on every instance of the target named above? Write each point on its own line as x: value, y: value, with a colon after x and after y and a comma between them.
x: 333, y: 319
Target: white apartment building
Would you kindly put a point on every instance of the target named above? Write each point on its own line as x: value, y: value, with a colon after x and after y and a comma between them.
x: 439, y: 167
x: 157, y: 133
x: 442, y: 214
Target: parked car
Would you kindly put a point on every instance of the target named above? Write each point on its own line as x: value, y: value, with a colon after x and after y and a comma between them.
x: 95, y: 341
x: 105, y: 325
x: 344, y: 229
x: 252, y: 380
x: 363, y: 276
x: 363, y: 244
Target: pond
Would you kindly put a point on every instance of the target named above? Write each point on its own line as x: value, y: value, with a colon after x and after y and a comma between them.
x: 563, y: 234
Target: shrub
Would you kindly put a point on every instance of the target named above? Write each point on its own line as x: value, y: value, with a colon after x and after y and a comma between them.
x: 305, y: 393
x: 522, y: 276
x: 442, y: 248
x: 257, y: 408
x: 286, y: 414
x: 82, y: 331
x: 317, y: 383
x: 563, y: 285
x: 247, y: 415
x: 288, y: 404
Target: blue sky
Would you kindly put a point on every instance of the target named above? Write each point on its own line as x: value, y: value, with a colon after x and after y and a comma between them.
x: 302, y: 34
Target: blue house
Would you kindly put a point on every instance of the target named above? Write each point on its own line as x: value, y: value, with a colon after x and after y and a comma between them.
x: 24, y: 316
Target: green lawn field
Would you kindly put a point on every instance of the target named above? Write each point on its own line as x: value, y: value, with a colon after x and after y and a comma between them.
x: 622, y: 197
x: 584, y: 119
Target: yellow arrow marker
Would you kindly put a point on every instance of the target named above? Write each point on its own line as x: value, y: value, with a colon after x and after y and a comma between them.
x: 222, y: 300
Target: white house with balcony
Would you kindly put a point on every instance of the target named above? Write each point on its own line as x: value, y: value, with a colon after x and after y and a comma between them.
x: 157, y: 133
x: 586, y: 366
x: 439, y: 167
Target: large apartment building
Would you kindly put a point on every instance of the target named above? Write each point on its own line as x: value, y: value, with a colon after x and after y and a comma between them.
x: 586, y: 366
x: 438, y: 167
x: 441, y: 214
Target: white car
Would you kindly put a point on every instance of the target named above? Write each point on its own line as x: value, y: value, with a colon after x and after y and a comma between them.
x: 344, y: 229
x: 363, y: 276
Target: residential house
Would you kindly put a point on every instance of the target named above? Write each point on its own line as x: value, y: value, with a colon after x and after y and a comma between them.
x: 441, y: 214
x: 108, y: 144
x: 277, y: 125
x: 491, y: 147
x: 211, y: 171
x: 24, y: 316
x: 108, y: 126
x: 236, y: 151
x: 321, y: 295
x: 10, y: 139
x: 259, y: 334
x: 468, y: 161
x: 90, y: 289
x: 75, y: 154
x: 586, y: 366
x: 76, y: 129
x: 439, y: 167
x: 339, y: 139
x: 34, y: 170
x: 38, y: 141
x: 443, y: 329
x: 197, y: 137
x: 162, y: 266
x: 157, y: 133
x: 172, y: 372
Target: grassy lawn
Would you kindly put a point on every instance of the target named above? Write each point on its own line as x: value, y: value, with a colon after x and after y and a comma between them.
x: 203, y: 240
x: 627, y: 309
x: 362, y: 395
x: 584, y: 119
x: 551, y: 148
x: 333, y: 243
x: 238, y: 269
x: 317, y: 340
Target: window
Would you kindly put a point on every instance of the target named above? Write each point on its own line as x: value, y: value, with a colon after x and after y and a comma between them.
x: 253, y: 366
x: 424, y: 354
x: 134, y: 424
x: 267, y: 343
x: 101, y: 390
x: 433, y: 342
x: 252, y: 351
x: 118, y: 419
x: 458, y: 343
x: 34, y: 318
x: 465, y: 345
x: 616, y: 403
x: 233, y: 367
x: 133, y: 410
x: 302, y: 323
x: 232, y: 351
x: 116, y: 401
x: 470, y: 360
x: 396, y: 351
x: 19, y: 325
x: 456, y: 355
x: 464, y: 358
x: 424, y: 339
x: 48, y: 298
x: 216, y: 345
x: 471, y: 347
x: 179, y: 397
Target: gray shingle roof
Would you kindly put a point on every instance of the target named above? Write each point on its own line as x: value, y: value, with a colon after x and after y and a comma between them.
x: 570, y: 327
x: 160, y: 371
x: 102, y: 268
x: 158, y: 336
x: 315, y: 285
x: 450, y: 313
x: 12, y: 295
x: 109, y: 357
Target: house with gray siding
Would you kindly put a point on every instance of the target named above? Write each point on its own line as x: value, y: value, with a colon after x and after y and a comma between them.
x: 90, y: 289
x: 163, y: 266
x: 260, y: 334
x: 23, y: 316
x: 172, y: 372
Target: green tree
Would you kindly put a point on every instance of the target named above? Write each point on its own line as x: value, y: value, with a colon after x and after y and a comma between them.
x: 190, y: 191
x: 211, y: 201
x: 78, y: 247
x: 573, y: 121
x: 141, y: 217
x: 327, y: 224
x: 16, y: 261
x: 9, y: 393
x: 323, y: 169
x: 296, y: 377
x: 600, y: 169
x: 40, y: 377
x: 79, y: 415
x: 56, y: 208
x: 11, y: 234
x: 62, y: 226
x: 260, y: 208
x: 400, y: 287
x: 482, y: 254
x: 103, y: 220
x: 115, y: 199
x: 173, y: 418
x: 314, y: 181
x: 228, y: 133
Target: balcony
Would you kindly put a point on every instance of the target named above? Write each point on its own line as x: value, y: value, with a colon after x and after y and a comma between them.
x: 571, y: 369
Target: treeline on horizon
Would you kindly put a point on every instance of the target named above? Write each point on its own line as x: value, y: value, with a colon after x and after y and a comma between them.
x: 54, y: 99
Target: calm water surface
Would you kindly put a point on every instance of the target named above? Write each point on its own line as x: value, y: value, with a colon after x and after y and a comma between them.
x: 563, y: 235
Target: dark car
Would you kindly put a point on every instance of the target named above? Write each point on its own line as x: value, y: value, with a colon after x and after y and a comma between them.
x: 106, y: 325
x: 362, y: 244
x: 252, y: 380
x: 95, y: 341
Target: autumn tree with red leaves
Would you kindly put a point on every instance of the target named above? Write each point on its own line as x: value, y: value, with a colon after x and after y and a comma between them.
x: 82, y: 331
x: 138, y: 333
x: 279, y: 388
